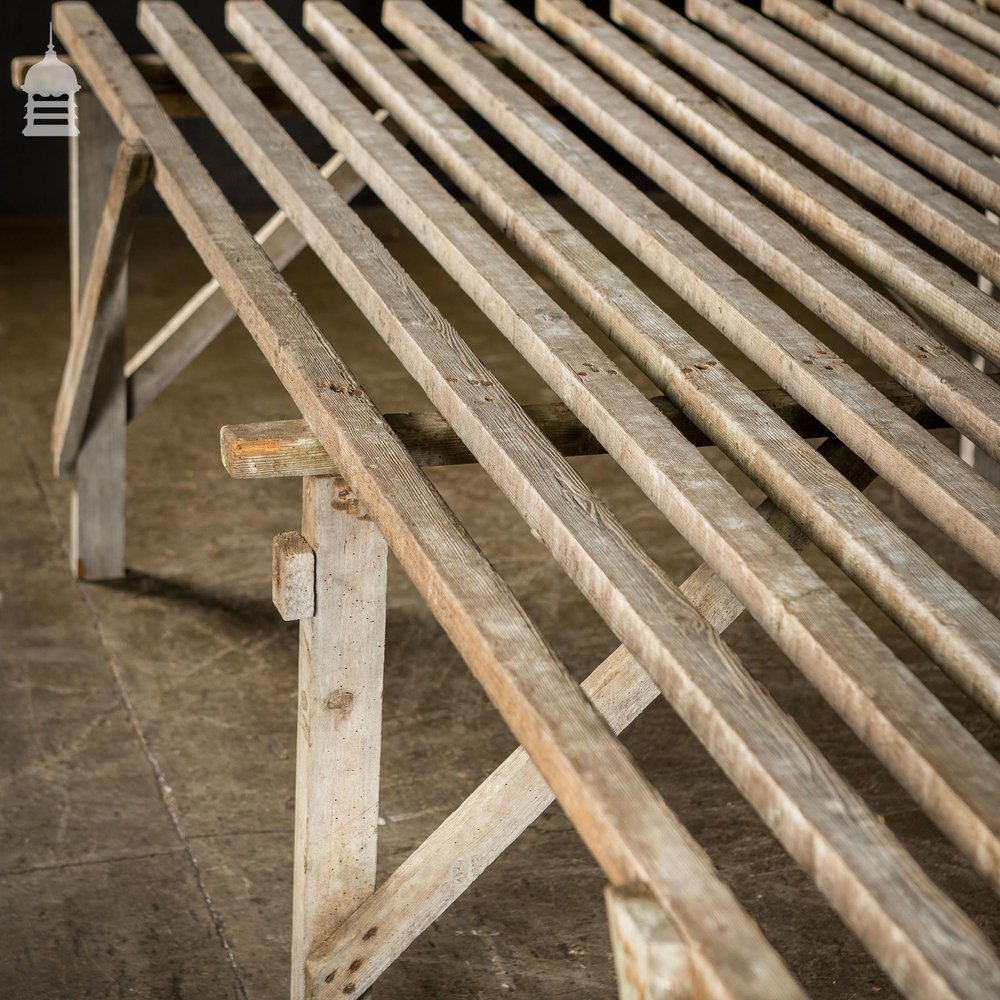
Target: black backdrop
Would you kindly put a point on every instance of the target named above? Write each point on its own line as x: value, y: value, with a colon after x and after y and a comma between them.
x: 33, y: 171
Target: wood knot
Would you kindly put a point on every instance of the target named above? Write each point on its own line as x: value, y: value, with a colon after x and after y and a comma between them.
x: 340, y: 701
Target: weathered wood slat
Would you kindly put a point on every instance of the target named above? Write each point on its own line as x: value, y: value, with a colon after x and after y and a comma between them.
x: 846, y: 302
x: 515, y: 795
x: 630, y: 593
x: 208, y: 312
x: 98, y: 318
x: 956, y: 303
x: 937, y: 96
x: 288, y: 448
x: 871, y: 549
x: 952, y: 54
x: 341, y: 651
x: 920, y: 202
x: 964, y: 18
x: 626, y: 824
x: 798, y: 362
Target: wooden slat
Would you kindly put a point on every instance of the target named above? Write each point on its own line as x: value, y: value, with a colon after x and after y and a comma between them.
x: 278, y: 448
x: 626, y: 824
x: 871, y: 548
x: 938, y: 97
x: 341, y: 651
x: 908, y: 194
x: 515, y: 794
x: 952, y: 54
x: 964, y: 18
x: 651, y: 960
x: 97, y: 502
x: 632, y: 595
x: 98, y: 318
x: 847, y: 303
x: 956, y: 303
x: 207, y: 313
x: 798, y: 362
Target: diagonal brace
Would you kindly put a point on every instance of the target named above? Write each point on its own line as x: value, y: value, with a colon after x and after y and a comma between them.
x: 97, y: 319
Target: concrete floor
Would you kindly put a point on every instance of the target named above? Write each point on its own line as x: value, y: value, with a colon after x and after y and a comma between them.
x: 148, y: 727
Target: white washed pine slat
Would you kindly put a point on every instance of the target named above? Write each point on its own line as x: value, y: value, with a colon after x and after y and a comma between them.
x: 957, y: 304
x: 920, y: 202
x: 869, y: 548
x: 959, y: 111
x: 962, y: 60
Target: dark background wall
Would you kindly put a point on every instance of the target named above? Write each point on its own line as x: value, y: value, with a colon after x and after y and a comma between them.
x: 33, y: 171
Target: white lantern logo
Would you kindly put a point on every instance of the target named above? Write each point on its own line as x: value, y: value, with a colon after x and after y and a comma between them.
x: 55, y: 83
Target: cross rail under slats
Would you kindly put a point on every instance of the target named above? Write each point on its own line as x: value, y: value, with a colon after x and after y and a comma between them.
x: 677, y: 928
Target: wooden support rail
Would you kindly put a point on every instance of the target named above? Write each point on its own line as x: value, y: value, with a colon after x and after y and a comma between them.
x: 894, y: 71
x: 871, y: 550
x: 282, y: 448
x: 952, y: 54
x: 623, y: 821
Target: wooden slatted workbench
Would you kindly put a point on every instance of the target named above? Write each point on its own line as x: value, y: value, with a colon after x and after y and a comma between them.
x: 860, y: 121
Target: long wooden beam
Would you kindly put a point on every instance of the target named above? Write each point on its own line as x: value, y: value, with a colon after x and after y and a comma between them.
x: 871, y: 549
x: 623, y: 820
x: 938, y: 97
x: 961, y: 59
x: 633, y: 597
x: 963, y: 309
x: 843, y: 299
x: 97, y: 317
x: 288, y: 448
x: 801, y: 364
x: 942, y: 217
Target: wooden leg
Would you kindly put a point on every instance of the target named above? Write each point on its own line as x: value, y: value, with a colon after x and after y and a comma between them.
x: 97, y: 512
x: 340, y: 719
x: 651, y: 961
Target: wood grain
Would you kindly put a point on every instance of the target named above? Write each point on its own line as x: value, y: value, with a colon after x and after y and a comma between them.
x: 870, y: 548
x: 341, y: 653
x: 964, y: 18
x: 865, y: 239
x: 896, y: 73
x: 918, y: 201
x: 624, y: 822
x: 952, y: 54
